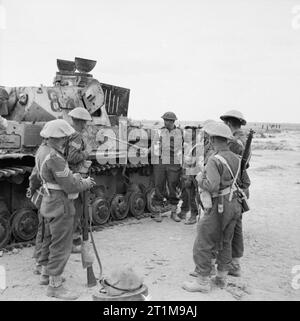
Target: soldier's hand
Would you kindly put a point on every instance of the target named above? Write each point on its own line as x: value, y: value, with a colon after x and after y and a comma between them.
x: 90, y: 181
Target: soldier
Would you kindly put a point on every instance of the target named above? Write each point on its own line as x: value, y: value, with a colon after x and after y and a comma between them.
x: 189, y: 183
x: 168, y: 152
x: 215, y: 228
x: 35, y: 184
x: 235, y: 119
x: 57, y: 208
x: 77, y: 152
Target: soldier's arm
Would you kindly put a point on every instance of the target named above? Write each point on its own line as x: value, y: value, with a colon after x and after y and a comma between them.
x: 211, y: 179
x: 69, y: 182
x: 245, y: 180
x: 34, y: 180
x: 75, y: 154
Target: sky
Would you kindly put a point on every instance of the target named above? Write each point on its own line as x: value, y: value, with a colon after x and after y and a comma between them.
x: 195, y: 58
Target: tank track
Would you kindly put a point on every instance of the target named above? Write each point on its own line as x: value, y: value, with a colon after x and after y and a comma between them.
x: 97, y: 228
x: 8, y: 173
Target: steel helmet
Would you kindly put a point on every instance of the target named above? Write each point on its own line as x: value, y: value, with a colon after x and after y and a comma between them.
x: 169, y: 115
x: 218, y: 129
x: 122, y: 280
x: 80, y: 113
x: 234, y: 114
x: 57, y: 128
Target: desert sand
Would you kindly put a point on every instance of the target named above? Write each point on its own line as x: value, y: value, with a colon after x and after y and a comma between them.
x: 162, y: 252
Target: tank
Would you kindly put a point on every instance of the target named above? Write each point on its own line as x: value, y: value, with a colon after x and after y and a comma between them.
x: 124, y: 184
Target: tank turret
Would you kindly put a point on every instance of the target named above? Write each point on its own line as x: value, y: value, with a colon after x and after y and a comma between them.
x: 122, y: 187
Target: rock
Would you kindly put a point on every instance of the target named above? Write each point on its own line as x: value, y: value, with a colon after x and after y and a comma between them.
x: 15, y: 251
x: 1, y: 253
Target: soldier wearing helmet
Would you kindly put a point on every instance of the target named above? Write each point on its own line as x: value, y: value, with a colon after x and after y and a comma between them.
x: 167, y: 160
x: 77, y: 152
x: 235, y: 119
x: 215, y: 228
x: 57, y: 207
x: 189, y: 183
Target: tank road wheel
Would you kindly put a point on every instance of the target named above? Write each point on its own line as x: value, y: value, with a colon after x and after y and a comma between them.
x: 149, y: 198
x: 101, y: 212
x: 137, y: 203
x: 24, y: 224
x: 119, y: 207
x: 4, y: 231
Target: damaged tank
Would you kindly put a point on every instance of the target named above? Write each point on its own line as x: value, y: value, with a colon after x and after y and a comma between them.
x: 124, y: 185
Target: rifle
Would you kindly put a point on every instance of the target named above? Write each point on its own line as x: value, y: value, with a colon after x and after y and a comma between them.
x: 246, y: 154
x: 87, y: 259
x: 244, y: 165
x: 86, y: 256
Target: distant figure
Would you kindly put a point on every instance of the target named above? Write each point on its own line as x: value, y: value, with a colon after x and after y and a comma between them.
x: 168, y: 169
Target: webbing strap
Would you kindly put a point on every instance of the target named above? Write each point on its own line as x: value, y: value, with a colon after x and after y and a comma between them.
x: 223, y: 160
x: 40, y: 171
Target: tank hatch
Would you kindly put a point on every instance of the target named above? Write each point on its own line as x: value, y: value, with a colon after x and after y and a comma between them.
x: 84, y: 65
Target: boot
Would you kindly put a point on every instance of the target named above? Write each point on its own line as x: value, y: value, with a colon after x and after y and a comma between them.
x: 235, y: 268
x: 194, y: 274
x: 220, y: 280
x: 37, y: 269
x: 182, y: 214
x: 157, y: 217
x: 76, y: 249
x: 191, y: 220
x: 174, y: 215
x: 55, y: 289
x: 201, y: 284
x: 44, y: 278
x: 213, y: 270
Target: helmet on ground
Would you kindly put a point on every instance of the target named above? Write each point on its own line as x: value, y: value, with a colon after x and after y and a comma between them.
x: 123, y: 280
x: 169, y: 115
x: 122, y: 284
x: 218, y: 129
x: 234, y: 114
x: 80, y: 113
x: 57, y: 128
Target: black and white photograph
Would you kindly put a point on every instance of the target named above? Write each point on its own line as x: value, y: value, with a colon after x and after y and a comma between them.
x: 150, y: 151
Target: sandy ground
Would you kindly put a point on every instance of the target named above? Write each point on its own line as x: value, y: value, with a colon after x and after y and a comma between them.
x: 162, y: 252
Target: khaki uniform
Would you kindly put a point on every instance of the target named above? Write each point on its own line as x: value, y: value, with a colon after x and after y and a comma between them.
x: 167, y: 160
x: 76, y: 154
x: 215, y: 230
x: 189, y: 188
x: 237, y: 146
x: 56, y: 208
